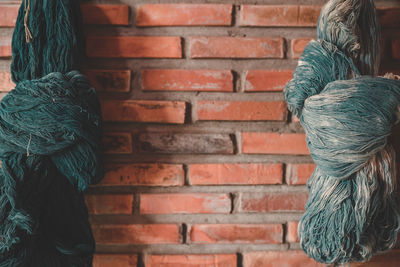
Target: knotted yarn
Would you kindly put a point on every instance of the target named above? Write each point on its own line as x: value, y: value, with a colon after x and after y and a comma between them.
x: 347, y: 113
x: 50, y: 135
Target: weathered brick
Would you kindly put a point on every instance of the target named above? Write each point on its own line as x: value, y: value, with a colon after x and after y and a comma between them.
x: 8, y: 15
x: 185, y: 203
x: 109, y: 204
x: 272, y: 202
x: 143, y: 174
x: 6, y: 84
x: 134, y: 46
x: 109, y: 80
x: 117, y: 143
x: 184, y: 15
x: 5, y: 46
x: 105, y: 14
x: 298, y: 46
x: 298, y: 173
x: 236, y: 233
x: 136, y: 234
x: 187, y: 80
x: 292, y: 235
x: 250, y: 174
x: 144, y: 111
x: 266, y: 80
x: 396, y: 49
x: 114, y: 260
x: 389, y: 16
x: 236, y: 47
x: 279, y: 15
x: 186, y: 143
x: 190, y: 260
x: 278, y: 258
x: 274, y: 143
x: 241, y: 110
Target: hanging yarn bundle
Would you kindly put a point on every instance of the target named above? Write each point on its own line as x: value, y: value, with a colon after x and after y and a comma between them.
x: 50, y: 133
x: 347, y: 113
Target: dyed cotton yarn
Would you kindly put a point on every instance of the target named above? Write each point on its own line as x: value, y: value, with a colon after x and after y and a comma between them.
x: 50, y: 135
x: 347, y: 113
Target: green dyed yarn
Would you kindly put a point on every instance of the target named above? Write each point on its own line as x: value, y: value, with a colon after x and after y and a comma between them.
x: 352, y: 212
x: 50, y: 135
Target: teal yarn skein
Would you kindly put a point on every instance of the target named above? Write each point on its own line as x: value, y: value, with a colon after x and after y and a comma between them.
x: 50, y: 136
x: 347, y: 113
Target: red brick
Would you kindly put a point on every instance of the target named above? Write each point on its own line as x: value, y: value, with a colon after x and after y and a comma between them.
x: 91, y: 14
x: 274, y: 143
x: 298, y: 173
x: 236, y: 47
x: 396, y: 49
x: 136, y: 234
x: 298, y: 46
x: 105, y: 14
x: 248, y: 174
x: 8, y: 15
x: 109, y: 80
x: 184, y: 15
x: 109, y: 204
x: 236, y: 233
x: 208, y: 110
x: 291, y: 258
x: 281, y: 15
x: 117, y: 143
x: 389, y: 259
x: 187, y: 80
x: 143, y: 174
x: 272, y: 202
x: 292, y: 235
x: 267, y: 80
x: 190, y: 260
x: 389, y: 16
x: 134, y: 46
x: 114, y: 260
x: 184, y: 203
x: 6, y: 84
x: 144, y: 111
x: 5, y: 46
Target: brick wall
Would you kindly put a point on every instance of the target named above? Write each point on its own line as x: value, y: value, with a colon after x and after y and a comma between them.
x: 205, y: 166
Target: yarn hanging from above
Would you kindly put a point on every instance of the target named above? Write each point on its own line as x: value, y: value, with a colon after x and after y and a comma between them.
x: 352, y: 212
x: 50, y: 135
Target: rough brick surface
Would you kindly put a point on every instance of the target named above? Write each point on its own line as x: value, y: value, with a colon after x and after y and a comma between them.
x: 266, y: 80
x: 117, y: 143
x: 279, y: 15
x: 144, y: 111
x: 274, y: 143
x: 396, y: 49
x: 185, y: 203
x: 278, y: 258
x: 292, y: 235
x: 298, y: 46
x: 105, y: 14
x: 236, y: 47
x: 389, y: 16
x: 246, y: 174
x: 6, y: 84
x: 187, y: 80
x: 186, y: 143
x: 109, y: 204
x: 144, y: 174
x: 137, y: 234
x: 184, y: 15
x: 113, y: 260
x: 5, y: 46
x: 241, y: 110
x: 236, y: 233
x: 109, y: 80
x: 134, y: 46
x: 298, y: 174
x: 190, y: 260
x: 8, y: 15
x: 272, y: 202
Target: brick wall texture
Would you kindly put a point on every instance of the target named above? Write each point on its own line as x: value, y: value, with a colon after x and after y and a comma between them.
x: 204, y: 164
